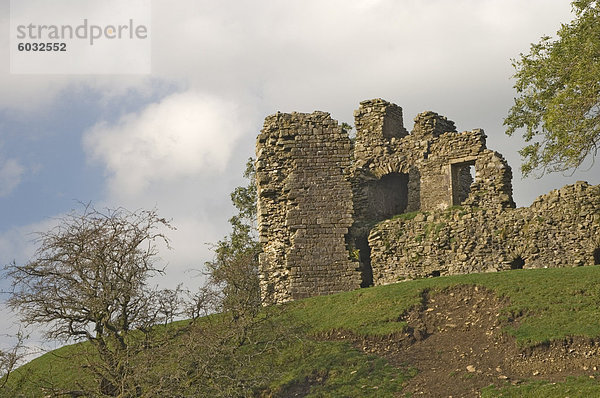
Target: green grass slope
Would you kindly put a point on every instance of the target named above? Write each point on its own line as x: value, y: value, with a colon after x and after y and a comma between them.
x: 551, y: 304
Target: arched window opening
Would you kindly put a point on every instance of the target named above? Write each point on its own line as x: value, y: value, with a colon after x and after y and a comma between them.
x: 388, y: 196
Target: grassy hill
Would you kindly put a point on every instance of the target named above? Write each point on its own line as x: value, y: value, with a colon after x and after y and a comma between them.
x: 521, y: 333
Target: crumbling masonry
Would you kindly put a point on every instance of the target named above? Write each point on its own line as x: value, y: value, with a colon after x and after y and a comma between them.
x: 334, y: 215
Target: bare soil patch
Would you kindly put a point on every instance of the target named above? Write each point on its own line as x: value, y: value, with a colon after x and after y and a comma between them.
x: 455, y: 340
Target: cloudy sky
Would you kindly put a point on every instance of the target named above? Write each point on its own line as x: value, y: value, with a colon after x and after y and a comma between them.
x: 178, y: 138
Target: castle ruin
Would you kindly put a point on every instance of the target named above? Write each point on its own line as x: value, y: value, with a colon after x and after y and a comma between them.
x: 335, y: 214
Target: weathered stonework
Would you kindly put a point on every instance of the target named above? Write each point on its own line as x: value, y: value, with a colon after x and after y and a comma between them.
x: 560, y: 229
x: 304, y: 206
x: 334, y: 216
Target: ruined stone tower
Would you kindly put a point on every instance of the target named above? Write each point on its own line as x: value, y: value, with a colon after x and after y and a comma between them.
x: 335, y: 214
x: 304, y: 206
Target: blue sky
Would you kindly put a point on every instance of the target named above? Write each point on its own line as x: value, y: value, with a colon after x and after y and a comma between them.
x: 178, y: 138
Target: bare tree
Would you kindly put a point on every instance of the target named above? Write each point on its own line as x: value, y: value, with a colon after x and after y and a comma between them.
x: 10, y: 358
x: 88, y: 280
x: 224, y: 351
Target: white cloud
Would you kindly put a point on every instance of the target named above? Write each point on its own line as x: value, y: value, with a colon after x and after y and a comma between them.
x: 11, y: 172
x: 304, y: 53
x: 309, y: 53
x: 174, y: 155
x: 185, y: 134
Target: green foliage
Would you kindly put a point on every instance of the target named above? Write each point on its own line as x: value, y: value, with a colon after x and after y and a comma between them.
x: 558, y: 100
x: 244, y: 198
x: 234, y: 270
x: 346, y: 126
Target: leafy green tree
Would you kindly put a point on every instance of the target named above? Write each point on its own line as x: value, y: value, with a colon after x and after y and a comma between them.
x: 558, y: 103
x: 234, y: 270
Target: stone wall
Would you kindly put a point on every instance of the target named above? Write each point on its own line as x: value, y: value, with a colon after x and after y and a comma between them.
x: 430, y: 169
x: 333, y: 215
x: 560, y: 229
x: 435, y: 158
x: 304, y: 207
